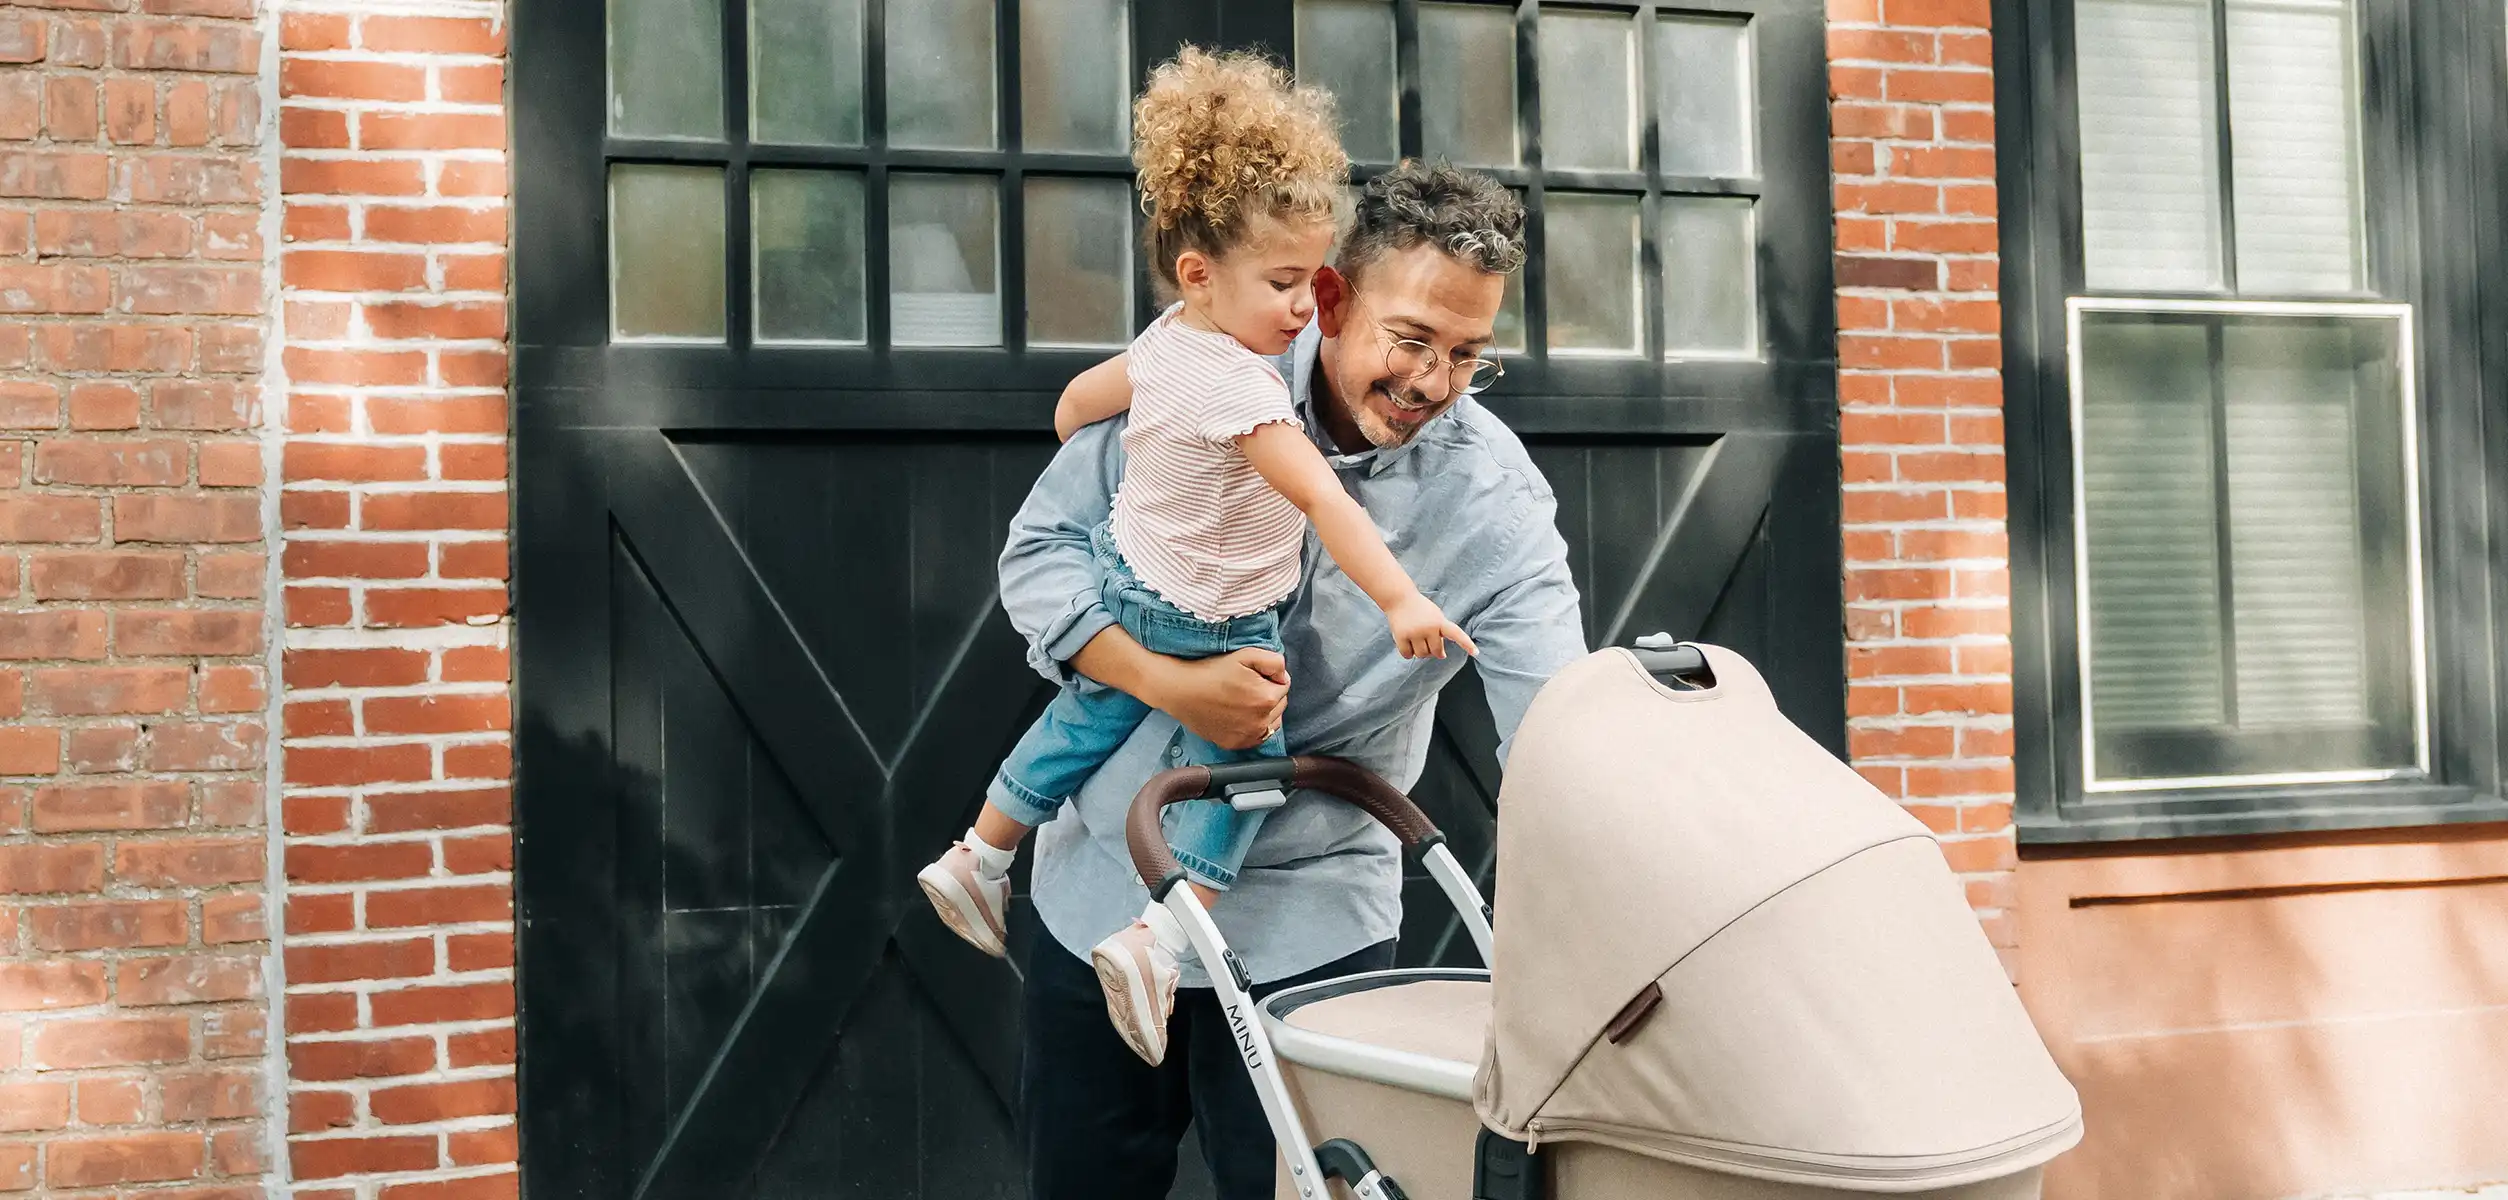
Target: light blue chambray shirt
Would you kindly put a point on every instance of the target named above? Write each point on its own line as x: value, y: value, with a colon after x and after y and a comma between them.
x: 1469, y: 517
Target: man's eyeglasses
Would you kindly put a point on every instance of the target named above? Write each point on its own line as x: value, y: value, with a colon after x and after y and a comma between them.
x: 1410, y: 358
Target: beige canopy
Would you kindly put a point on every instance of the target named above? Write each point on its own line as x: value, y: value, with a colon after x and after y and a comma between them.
x: 1717, y: 944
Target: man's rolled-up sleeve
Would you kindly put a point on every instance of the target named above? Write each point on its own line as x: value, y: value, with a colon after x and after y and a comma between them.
x: 1049, y: 575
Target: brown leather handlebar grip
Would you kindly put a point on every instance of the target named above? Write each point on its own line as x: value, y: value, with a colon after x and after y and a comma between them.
x: 1157, y: 865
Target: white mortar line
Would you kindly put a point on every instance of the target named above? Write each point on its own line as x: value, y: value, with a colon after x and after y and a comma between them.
x: 276, y: 1179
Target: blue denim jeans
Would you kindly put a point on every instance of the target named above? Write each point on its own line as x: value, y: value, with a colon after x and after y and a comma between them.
x: 1082, y: 727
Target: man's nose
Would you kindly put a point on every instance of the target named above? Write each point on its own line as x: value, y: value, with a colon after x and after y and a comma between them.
x: 1436, y: 384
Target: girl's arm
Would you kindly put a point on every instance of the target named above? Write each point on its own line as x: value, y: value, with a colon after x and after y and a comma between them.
x: 1093, y: 395
x: 1297, y: 470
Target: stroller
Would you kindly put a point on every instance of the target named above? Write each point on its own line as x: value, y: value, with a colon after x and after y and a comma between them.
x: 1729, y: 969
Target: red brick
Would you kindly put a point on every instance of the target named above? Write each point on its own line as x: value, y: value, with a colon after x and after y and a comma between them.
x: 210, y: 1096
x: 55, y: 288
x: 353, y: 270
x: 1882, y: 45
x: 479, y: 855
x: 322, y: 914
x: 25, y: 405
x: 31, y: 1106
x: 113, y: 1041
x: 312, y: 129
x: 203, y: 404
x: 1960, y: 780
x: 419, y: 1103
x: 356, y: 368
x: 1871, y: 662
x: 485, y: 368
x: 97, y: 691
x: 1937, y: 622
x: 355, y: 668
x: 361, y: 960
x: 351, y: 766
x: 431, y: 131
x: 459, y: 321
x: 17, y: 1166
x: 193, y: 862
x: 29, y: 750
x: 130, y: 1158
x: 1943, y: 545
x: 229, y: 464
x: 97, y: 749
x: 433, y: 35
x: 50, y: 519
x: 1854, y: 83
x: 436, y: 510
x: 172, y: 46
x: 1971, y: 14
x: 190, y: 290
x: 70, y: 108
x: 315, y: 223
x: 63, y: 983
x: 1912, y: 741
x: 313, y: 31
x: 228, y: 919
x: 1906, y: 353
x: 119, y: 575
x: 316, y: 606
x: 479, y: 951
x: 477, y: 664
x: 407, y: 607
x: 305, y: 816
x: 435, y: 225
x: 340, y: 864
x: 208, y: 518
x: 237, y: 1031
x: 186, y: 979
x: 473, y: 560
x: 230, y: 349
x: 486, y: 1048
x: 481, y: 1147
x: 189, y: 180
x: 230, y: 689
x: 405, y: 908
x: 473, y: 462
x: 1981, y: 854
x: 21, y: 106
x: 403, y: 812
x: 1979, y: 698
x: 207, y: 746
x: 351, y: 80
x: 331, y: 1158
x: 473, y: 272
x: 317, y: 1062
x: 319, y: 718
x: 155, y: 463
x: 313, y: 510
x: 1874, y: 271
x: 96, y: 406
x: 437, y: 1005
x: 478, y: 762
x: 51, y: 633
x: 501, y: 1186
x: 187, y: 114
x: 84, y: 347
x: 71, y: 808
x: 22, y: 39
x: 1986, y: 818
x: 472, y: 85
x: 436, y: 714
x: 46, y: 175
x: 316, y: 1111
x: 147, y: 632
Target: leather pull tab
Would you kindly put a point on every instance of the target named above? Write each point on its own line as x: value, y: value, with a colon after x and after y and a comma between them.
x: 1633, y: 1014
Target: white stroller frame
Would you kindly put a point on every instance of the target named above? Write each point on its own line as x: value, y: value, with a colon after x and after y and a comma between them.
x: 1263, y: 783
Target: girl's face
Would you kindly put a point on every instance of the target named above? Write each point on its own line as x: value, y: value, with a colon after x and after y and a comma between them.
x: 1262, y: 292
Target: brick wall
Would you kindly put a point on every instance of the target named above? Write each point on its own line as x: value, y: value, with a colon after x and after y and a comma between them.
x: 399, y: 942
x: 132, y: 330
x: 1928, y: 612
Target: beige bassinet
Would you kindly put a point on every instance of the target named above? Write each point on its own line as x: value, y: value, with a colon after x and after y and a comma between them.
x: 1728, y: 968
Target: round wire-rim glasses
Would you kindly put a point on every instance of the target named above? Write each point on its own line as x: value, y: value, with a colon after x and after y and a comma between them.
x: 1411, y: 358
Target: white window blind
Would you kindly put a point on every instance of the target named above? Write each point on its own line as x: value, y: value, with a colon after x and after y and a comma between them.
x: 2293, y: 112
x: 2150, y: 155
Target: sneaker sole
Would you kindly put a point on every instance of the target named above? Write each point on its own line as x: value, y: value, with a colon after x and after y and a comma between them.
x: 959, y: 912
x: 1127, y: 1000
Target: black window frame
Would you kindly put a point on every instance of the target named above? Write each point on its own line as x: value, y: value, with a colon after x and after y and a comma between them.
x: 2432, y: 124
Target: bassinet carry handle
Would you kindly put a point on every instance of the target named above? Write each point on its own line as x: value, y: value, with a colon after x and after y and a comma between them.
x: 1157, y: 865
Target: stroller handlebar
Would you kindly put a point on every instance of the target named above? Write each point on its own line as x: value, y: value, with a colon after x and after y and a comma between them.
x: 1157, y: 865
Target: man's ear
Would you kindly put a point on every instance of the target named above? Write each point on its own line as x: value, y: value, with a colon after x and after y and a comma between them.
x: 1332, y: 300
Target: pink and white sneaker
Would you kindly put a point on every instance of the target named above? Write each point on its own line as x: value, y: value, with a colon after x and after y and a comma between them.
x: 973, y: 904
x: 1139, y: 976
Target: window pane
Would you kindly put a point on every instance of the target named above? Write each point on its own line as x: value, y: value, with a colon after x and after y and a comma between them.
x: 1346, y: 46
x: 2154, y: 533
x: 1704, y: 96
x: 2248, y: 514
x: 2294, y: 103
x: 1467, y: 84
x: 1588, y: 88
x: 666, y: 252
x: 2150, y: 158
x: 1710, y: 276
x: 666, y: 68
x: 1074, y: 86
x: 940, y: 73
x: 805, y: 71
x: 1510, y: 327
x: 1079, y: 247
x: 1590, y: 269
x: 807, y: 267
x: 943, y: 244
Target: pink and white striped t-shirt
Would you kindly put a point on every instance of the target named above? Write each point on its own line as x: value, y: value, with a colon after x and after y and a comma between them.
x: 1193, y: 518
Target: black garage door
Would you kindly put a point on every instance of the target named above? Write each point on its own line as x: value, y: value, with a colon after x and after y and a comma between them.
x: 797, y: 283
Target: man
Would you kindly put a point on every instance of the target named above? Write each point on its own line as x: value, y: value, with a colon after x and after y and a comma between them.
x: 1380, y: 383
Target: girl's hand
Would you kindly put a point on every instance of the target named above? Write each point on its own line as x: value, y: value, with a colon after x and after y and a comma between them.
x: 1420, y: 630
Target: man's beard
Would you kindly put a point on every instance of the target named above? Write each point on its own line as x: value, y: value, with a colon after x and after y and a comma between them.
x: 1384, y: 434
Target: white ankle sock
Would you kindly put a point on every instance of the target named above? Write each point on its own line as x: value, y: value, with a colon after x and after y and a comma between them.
x: 1168, y: 930
x: 991, y: 861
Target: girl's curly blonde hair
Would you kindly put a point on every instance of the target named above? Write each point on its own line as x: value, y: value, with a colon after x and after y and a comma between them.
x: 1224, y: 143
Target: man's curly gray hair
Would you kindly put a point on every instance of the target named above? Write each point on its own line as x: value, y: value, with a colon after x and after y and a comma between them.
x: 1470, y: 216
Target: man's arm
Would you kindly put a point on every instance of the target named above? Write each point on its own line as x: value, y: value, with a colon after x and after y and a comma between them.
x: 1049, y: 587
x: 1532, y: 628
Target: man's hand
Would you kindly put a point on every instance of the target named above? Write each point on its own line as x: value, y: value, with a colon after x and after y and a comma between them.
x: 1234, y: 700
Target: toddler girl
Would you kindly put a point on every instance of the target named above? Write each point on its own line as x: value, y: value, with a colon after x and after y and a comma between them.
x: 1239, y: 170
